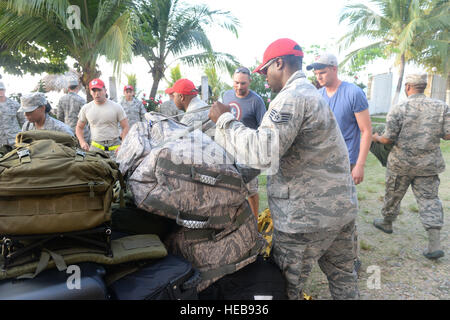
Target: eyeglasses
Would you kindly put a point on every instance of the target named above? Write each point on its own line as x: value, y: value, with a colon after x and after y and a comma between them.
x: 242, y: 70
x: 264, y: 68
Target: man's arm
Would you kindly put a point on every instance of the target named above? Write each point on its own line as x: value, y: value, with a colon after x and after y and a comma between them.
x: 60, y: 111
x: 365, y: 125
x: 262, y: 148
x: 125, y: 128
x: 381, y: 139
x: 79, y: 131
x: 447, y: 137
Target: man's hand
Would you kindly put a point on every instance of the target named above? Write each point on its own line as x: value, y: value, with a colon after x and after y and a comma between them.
x: 217, y: 109
x: 375, y: 137
x: 84, y: 145
x: 358, y: 174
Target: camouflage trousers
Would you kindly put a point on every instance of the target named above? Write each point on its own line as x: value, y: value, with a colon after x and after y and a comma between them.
x: 425, y: 190
x: 334, y: 251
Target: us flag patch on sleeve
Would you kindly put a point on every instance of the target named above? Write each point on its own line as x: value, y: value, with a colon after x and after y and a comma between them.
x: 279, y: 117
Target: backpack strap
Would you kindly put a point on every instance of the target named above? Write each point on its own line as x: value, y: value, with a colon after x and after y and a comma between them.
x: 43, y: 264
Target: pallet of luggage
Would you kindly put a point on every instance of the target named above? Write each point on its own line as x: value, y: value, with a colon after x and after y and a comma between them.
x: 168, y: 219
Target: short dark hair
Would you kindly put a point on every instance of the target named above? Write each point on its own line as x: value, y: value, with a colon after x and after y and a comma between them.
x: 419, y: 87
x: 294, y: 62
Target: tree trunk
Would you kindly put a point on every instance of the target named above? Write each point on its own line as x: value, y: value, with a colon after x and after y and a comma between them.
x: 400, y: 80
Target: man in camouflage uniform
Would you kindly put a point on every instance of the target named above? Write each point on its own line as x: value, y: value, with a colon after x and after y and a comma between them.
x: 185, y: 98
x: 36, y: 110
x: 312, y: 197
x: 133, y: 107
x: 69, y: 107
x: 415, y: 128
x: 168, y: 108
x: 10, y: 119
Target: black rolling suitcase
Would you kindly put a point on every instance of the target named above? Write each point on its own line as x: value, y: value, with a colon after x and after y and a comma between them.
x: 169, y: 278
x: 83, y: 281
x: 260, y: 280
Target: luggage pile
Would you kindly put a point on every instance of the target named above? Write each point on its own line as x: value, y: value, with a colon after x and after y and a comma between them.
x: 193, y: 181
x: 183, y: 224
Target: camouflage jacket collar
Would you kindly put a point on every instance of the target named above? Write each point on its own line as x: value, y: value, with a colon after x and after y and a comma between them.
x: 295, y: 76
x: 416, y: 95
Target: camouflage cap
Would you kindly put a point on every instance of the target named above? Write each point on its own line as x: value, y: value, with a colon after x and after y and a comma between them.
x: 32, y: 101
x: 72, y: 82
x: 416, y: 79
x: 2, y: 86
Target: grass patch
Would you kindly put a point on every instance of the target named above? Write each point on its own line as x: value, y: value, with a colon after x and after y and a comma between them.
x: 361, y: 196
x: 413, y: 208
x: 365, y: 246
x: 371, y: 190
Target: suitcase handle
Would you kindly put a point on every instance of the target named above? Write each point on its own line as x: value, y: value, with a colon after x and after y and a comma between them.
x: 191, y: 224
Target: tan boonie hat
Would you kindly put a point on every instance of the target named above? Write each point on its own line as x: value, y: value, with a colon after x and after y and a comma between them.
x: 32, y: 101
x: 416, y: 78
x: 2, y: 86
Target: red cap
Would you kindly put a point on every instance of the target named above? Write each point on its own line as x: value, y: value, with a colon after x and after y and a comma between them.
x: 279, y: 48
x: 183, y: 86
x: 169, y: 90
x: 128, y: 87
x: 96, y: 84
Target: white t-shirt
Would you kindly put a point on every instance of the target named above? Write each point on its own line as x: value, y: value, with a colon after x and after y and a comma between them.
x: 102, y: 119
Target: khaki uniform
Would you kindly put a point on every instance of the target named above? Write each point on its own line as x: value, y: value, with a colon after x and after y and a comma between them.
x: 416, y: 127
x: 10, y: 121
x: 310, y: 190
x: 134, y: 110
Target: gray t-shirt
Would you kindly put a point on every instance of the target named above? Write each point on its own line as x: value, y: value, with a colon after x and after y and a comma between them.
x: 249, y: 110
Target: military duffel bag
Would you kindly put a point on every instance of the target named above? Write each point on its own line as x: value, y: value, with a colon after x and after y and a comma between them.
x: 216, y: 253
x: 48, y: 185
x: 183, y: 178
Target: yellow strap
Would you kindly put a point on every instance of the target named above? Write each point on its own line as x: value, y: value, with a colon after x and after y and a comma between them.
x: 98, y: 145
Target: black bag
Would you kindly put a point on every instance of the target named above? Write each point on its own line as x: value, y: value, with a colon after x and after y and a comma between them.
x: 260, y: 280
x: 170, y: 278
x: 59, y: 285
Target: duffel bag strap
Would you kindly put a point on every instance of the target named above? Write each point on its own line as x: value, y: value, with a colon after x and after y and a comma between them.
x: 199, y: 174
x: 232, y: 267
x: 43, y: 263
x: 211, y: 234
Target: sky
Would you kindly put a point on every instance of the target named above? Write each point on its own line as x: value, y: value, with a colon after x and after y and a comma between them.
x: 261, y: 22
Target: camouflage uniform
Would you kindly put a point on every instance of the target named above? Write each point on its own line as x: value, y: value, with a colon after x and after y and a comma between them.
x: 190, y: 119
x: 168, y: 108
x: 50, y: 124
x: 69, y: 107
x: 416, y: 127
x: 312, y: 197
x: 134, y: 110
x: 10, y: 121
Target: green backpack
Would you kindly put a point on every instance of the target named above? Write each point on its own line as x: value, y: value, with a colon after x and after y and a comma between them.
x: 48, y: 185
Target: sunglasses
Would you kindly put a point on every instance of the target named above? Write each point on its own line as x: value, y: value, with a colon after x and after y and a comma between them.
x: 264, y: 68
x: 242, y: 70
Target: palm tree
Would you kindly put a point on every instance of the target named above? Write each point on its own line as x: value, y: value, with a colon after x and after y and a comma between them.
x: 169, y: 28
x: 105, y: 28
x: 404, y: 29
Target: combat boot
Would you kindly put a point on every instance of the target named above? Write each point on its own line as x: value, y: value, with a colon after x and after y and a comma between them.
x: 383, y: 225
x: 434, y: 245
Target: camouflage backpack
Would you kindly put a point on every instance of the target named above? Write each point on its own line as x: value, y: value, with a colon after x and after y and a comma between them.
x: 48, y: 185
